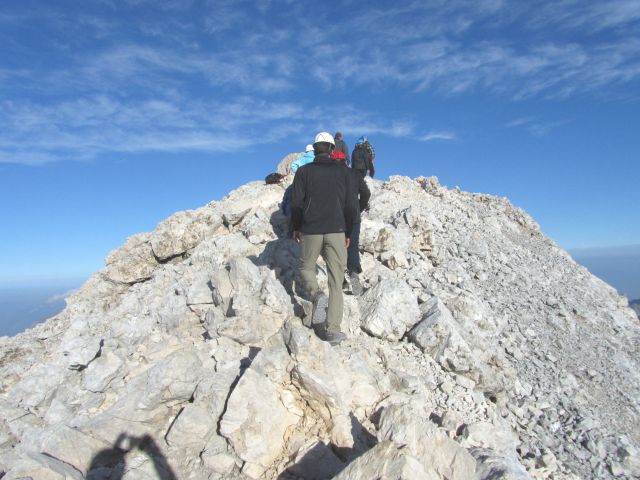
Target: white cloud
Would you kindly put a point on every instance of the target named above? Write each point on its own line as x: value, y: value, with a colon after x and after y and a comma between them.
x: 441, y: 135
x: 86, y: 128
x: 61, y: 296
x: 535, y: 126
x: 592, y: 17
x: 192, y: 84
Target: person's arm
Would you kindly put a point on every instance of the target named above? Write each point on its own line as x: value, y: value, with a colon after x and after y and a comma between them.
x: 297, y: 202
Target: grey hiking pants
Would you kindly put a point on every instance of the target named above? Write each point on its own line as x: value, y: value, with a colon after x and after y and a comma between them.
x: 333, y: 249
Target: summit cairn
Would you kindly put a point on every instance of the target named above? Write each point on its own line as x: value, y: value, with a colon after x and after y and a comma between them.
x: 479, y: 350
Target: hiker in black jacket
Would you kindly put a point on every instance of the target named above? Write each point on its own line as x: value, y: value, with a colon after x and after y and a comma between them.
x: 323, y: 209
x: 362, y: 157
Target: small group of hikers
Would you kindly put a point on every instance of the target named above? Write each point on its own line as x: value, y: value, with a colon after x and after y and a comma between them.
x: 361, y: 159
x: 325, y: 202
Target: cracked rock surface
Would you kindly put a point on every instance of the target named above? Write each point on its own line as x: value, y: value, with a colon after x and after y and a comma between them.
x: 479, y: 350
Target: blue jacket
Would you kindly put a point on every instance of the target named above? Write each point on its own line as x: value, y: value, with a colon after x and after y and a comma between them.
x: 303, y: 160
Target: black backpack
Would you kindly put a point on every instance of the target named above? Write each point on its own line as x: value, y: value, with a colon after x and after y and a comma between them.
x: 360, y: 158
x: 273, y: 178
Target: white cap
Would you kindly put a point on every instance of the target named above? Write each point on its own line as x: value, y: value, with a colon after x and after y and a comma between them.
x: 324, y: 137
x: 309, y: 148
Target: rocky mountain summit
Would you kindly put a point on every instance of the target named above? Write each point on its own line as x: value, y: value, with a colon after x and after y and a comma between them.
x: 479, y: 350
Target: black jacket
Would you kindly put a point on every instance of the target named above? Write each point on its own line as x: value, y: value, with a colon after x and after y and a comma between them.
x: 361, y: 159
x: 323, y: 198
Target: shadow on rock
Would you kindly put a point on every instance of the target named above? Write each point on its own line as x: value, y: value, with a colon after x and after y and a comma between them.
x: 323, y: 461
x: 110, y: 463
x: 283, y: 257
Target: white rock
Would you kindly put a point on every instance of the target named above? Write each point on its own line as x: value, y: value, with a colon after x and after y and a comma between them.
x: 172, y: 379
x: 101, y: 371
x: 407, y: 425
x: 183, y: 231
x: 387, y: 460
x: 437, y: 335
x: 389, y: 309
x: 133, y: 262
x: 495, y: 466
x: 192, y: 427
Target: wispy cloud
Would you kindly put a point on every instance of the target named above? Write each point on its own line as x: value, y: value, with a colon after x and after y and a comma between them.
x: 536, y: 126
x: 84, y: 129
x: 231, y: 77
x: 61, y: 296
x: 442, y: 135
x: 592, y: 17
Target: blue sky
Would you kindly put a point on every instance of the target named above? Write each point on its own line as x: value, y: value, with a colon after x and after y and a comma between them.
x: 116, y: 113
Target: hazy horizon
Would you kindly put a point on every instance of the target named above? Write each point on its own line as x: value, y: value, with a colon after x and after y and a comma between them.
x: 618, y: 266
x: 23, y: 306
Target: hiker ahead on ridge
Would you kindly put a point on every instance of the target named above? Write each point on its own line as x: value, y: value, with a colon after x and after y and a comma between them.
x: 341, y: 146
x: 308, y: 157
x: 323, y: 209
x: 362, y: 157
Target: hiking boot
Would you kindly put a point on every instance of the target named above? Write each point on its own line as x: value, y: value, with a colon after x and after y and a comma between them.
x: 334, y: 338
x: 320, y: 305
x: 356, y: 286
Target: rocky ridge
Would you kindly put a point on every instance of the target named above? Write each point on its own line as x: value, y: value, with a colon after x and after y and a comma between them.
x: 480, y: 350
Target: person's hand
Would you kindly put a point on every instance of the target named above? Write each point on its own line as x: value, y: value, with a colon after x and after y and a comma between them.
x: 347, y: 241
x: 296, y: 236
x: 371, y: 172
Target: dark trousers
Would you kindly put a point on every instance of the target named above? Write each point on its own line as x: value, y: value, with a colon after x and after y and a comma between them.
x: 362, y: 172
x: 353, y: 252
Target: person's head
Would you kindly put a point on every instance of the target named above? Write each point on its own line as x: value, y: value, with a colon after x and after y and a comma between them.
x: 338, y: 136
x: 309, y: 148
x: 323, y: 143
x: 361, y: 140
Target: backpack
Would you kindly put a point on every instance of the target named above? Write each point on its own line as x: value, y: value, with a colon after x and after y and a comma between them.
x: 273, y: 178
x: 360, y: 158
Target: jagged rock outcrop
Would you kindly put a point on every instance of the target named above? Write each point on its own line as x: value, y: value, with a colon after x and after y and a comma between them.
x: 479, y: 350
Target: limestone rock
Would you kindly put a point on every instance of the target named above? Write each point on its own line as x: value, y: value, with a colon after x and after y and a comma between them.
x: 389, y: 309
x: 101, y: 372
x: 257, y: 420
x: 407, y: 425
x: 479, y: 350
x: 133, y: 262
x: 284, y: 167
x: 494, y: 466
x: 437, y: 335
x: 183, y: 231
x: 387, y: 460
x: 193, y: 426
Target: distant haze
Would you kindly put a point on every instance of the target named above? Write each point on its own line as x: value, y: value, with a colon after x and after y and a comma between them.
x: 24, y: 307
x: 618, y: 266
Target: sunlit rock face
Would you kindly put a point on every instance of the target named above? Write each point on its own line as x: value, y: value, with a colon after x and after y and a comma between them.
x: 479, y: 350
